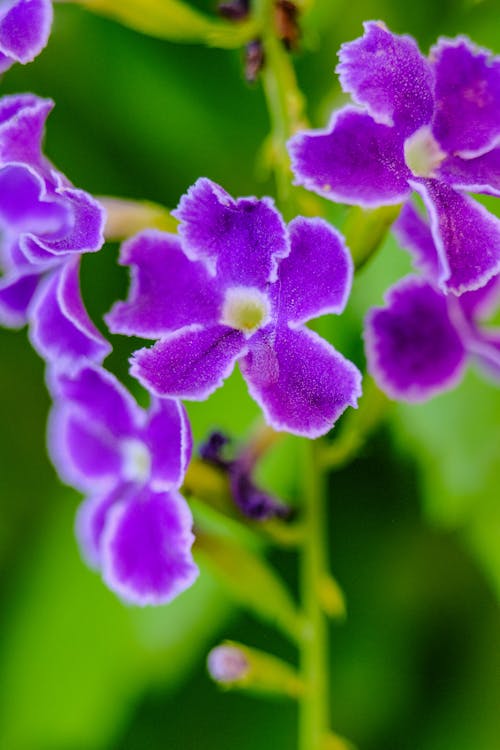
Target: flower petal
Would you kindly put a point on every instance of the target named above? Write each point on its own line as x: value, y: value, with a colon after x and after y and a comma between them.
x: 479, y: 175
x: 146, y: 547
x: 91, y: 520
x: 466, y: 235
x: 16, y: 293
x: 25, y: 29
x: 101, y: 399
x: 191, y: 363
x: 316, y: 277
x: 241, y: 240
x: 25, y: 205
x: 168, y: 291
x: 355, y: 160
x: 481, y: 303
x: 486, y: 349
x: 467, y: 91
x: 413, y: 348
x: 414, y: 234
x: 22, y: 122
x: 388, y: 74
x: 61, y: 330
x: 302, y: 384
x: 84, y: 454
x: 168, y: 436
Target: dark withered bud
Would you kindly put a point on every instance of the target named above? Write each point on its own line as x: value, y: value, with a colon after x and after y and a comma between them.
x: 250, y: 499
x: 234, y: 10
x: 254, y: 60
x: 212, y: 450
x: 286, y: 17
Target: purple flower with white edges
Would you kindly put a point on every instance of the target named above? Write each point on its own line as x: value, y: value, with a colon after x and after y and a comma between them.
x: 419, y: 343
x: 24, y: 30
x: 134, y: 526
x: 238, y: 286
x: 425, y: 125
x: 45, y: 225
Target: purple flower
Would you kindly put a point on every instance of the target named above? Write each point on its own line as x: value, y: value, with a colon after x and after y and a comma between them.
x: 134, y: 525
x: 238, y: 286
x: 430, y: 126
x: 24, y: 30
x: 45, y: 225
x: 419, y: 343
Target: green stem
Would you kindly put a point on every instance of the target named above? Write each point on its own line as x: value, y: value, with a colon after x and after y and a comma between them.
x: 314, y: 703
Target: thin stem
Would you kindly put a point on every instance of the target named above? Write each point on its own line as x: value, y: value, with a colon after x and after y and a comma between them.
x: 314, y: 704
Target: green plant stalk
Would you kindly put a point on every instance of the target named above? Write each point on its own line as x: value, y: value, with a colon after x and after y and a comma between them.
x: 314, y: 702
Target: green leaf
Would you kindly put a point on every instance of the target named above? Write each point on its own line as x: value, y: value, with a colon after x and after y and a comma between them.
x: 75, y: 658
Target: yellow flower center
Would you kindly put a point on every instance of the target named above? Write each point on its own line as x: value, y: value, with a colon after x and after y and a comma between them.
x: 245, y: 308
x: 423, y: 154
x: 136, y: 460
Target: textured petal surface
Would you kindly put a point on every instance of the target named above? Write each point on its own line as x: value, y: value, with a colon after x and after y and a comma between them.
x: 467, y: 237
x: 481, y: 303
x: 414, y: 234
x: 24, y: 204
x: 85, y: 455
x: 87, y: 225
x: 61, y: 330
x: 414, y: 351
x: 241, y: 240
x: 15, y: 297
x: 316, y: 277
x: 190, y: 364
x: 388, y: 74
x: 25, y: 29
x: 22, y: 122
x: 356, y: 160
x: 479, y: 175
x: 302, y: 384
x: 467, y: 116
x: 168, y: 291
x: 101, y: 399
x: 146, y: 547
x: 168, y: 436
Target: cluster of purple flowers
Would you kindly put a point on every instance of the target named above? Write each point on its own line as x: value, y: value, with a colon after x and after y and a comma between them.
x: 429, y: 127
x: 238, y: 285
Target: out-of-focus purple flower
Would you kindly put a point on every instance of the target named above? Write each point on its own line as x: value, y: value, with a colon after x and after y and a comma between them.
x: 134, y: 525
x: 239, y: 286
x: 45, y: 225
x: 425, y: 125
x: 419, y: 343
x: 24, y: 30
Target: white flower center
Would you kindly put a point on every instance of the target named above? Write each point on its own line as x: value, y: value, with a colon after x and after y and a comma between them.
x: 245, y: 308
x: 423, y: 154
x: 136, y: 460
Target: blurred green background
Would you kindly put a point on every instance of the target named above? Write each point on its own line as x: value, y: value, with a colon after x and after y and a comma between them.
x: 415, y: 520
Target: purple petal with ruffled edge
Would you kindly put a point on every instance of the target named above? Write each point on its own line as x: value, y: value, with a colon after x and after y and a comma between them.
x: 16, y: 294
x: 240, y: 240
x: 413, y: 348
x: 316, y: 277
x: 101, y: 399
x: 414, y: 235
x: 467, y: 91
x: 168, y: 291
x: 91, y: 520
x: 168, y: 437
x: 191, y: 363
x: 466, y: 235
x: 24, y: 29
x: 61, y: 330
x: 146, y: 547
x: 85, y: 455
x: 22, y: 122
x: 302, y: 384
x: 25, y: 206
x: 480, y: 175
x: 83, y: 235
x: 481, y: 303
x: 355, y: 160
x: 388, y: 75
